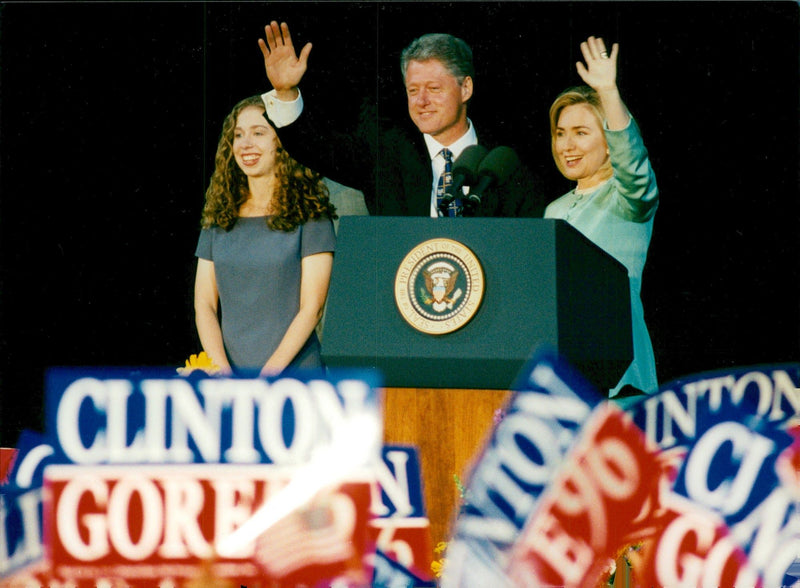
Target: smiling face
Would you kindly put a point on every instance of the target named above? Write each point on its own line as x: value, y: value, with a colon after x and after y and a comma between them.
x: 254, y: 143
x: 579, y: 146
x: 437, y: 102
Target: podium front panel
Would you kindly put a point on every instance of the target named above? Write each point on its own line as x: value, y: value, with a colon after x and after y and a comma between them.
x: 544, y: 284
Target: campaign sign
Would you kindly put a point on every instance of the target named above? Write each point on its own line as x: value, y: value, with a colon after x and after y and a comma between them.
x: 324, y: 428
x: 7, y: 456
x: 21, y: 548
x: 106, y: 416
x: 730, y: 467
x: 691, y: 546
x: 148, y: 525
x: 700, y: 480
x: 400, y: 479
x: 764, y: 394
x: 401, y: 530
x: 34, y: 452
x: 550, y: 404
x: 20, y: 528
x: 734, y: 498
x: 597, y: 504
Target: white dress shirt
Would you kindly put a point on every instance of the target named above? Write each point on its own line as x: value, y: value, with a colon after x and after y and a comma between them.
x: 437, y: 159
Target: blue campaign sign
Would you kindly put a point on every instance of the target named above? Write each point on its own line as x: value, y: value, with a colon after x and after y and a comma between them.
x: 400, y: 479
x: 116, y: 416
x: 548, y: 372
x: 401, y: 531
x: 34, y: 452
x: 20, y: 528
x: 729, y: 466
x: 764, y: 393
x: 21, y: 504
x: 390, y: 574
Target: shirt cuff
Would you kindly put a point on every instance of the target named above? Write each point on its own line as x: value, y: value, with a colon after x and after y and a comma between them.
x: 282, y: 113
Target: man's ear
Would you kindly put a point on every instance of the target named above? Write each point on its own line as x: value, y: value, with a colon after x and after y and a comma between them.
x: 466, y: 89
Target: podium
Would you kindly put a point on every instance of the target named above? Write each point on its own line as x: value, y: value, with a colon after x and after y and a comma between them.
x: 540, y: 281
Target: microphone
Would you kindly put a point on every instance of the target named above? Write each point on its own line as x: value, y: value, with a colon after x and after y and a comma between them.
x: 495, y: 168
x: 465, y: 172
x: 465, y: 169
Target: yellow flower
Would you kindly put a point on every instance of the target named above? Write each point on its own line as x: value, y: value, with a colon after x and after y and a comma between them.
x: 437, y: 567
x: 199, y: 361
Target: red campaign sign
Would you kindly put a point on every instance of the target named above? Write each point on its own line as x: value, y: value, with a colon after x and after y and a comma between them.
x: 691, y: 548
x: 603, y: 499
x: 170, y: 522
x: 7, y: 456
x: 406, y: 541
x: 34, y: 576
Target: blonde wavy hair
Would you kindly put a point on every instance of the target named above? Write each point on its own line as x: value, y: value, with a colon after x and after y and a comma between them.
x: 300, y: 194
x: 569, y: 97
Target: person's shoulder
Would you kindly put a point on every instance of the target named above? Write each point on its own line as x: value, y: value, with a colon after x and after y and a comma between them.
x: 320, y: 232
x: 211, y: 230
x: 399, y: 132
x: 560, y: 202
x: 400, y: 144
x: 322, y: 223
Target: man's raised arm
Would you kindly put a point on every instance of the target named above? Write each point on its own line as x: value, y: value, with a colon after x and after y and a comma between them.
x: 284, y: 71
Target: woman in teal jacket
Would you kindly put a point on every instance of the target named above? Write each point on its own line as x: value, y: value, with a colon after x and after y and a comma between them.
x: 596, y: 143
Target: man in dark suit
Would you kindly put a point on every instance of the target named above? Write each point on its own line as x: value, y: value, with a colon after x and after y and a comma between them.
x: 398, y: 169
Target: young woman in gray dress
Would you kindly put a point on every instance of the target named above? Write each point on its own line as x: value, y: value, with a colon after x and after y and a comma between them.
x: 265, y: 251
x: 596, y: 143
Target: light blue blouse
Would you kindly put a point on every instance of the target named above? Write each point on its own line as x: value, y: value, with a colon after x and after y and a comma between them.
x: 618, y: 217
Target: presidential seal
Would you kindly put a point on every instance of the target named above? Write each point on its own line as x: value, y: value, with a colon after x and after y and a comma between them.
x: 439, y: 286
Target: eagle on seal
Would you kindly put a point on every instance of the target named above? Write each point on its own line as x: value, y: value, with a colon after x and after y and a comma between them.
x: 440, y: 280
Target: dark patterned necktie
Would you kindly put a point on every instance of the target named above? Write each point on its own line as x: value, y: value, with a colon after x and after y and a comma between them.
x: 445, y: 181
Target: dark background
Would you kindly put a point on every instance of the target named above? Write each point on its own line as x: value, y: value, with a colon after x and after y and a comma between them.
x: 110, y: 114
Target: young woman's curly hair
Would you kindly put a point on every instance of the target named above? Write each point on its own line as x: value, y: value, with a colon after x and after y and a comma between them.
x: 300, y: 194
